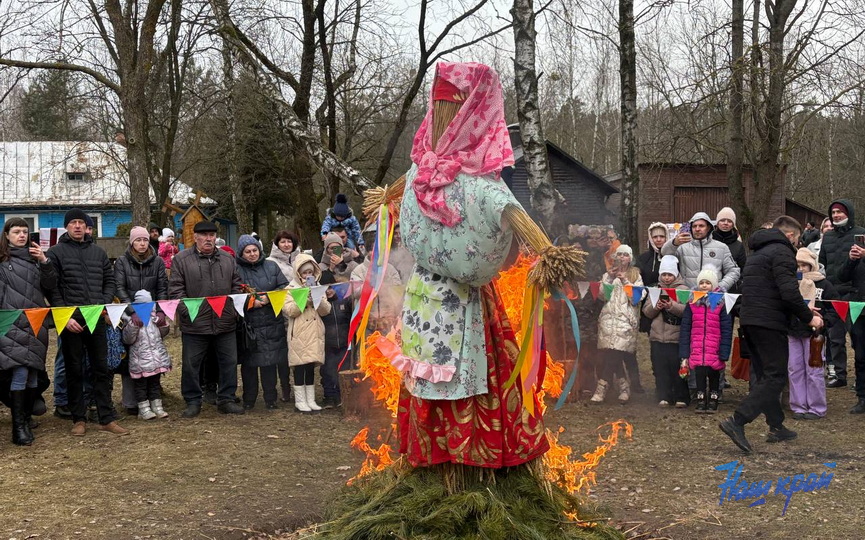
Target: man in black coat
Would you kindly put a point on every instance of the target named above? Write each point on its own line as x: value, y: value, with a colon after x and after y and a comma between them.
x: 854, y: 271
x: 833, y: 256
x: 84, y: 278
x: 770, y: 296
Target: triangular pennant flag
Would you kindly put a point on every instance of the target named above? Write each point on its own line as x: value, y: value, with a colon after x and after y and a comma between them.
x: 841, y: 308
x: 698, y: 295
x: 672, y: 294
x: 636, y: 294
x: 583, y: 286
x: 277, y: 300
x: 855, y: 310
x: 192, y: 306
x: 714, y: 299
x: 341, y: 289
x: 595, y: 287
x: 730, y: 301
x: 91, y: 315
x: 36, y: 316
x: 239, y: 301
x: 356, y: 286
x: 316, y: 294
x: 61, y: 317
x: 654, y: 295
x: 8, y: 318
x: 682, y: 295
x: 608, y: 291
x: 217, y: 304
x: 115, y: 312
x: 300, y: 296
x: 629, y: 291
x: 169, y: 307
x: 144, y: 311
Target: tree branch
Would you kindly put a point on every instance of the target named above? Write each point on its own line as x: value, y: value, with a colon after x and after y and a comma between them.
x: 63, y: 66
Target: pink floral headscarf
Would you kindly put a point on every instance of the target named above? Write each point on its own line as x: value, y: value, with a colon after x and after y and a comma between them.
x: 476, y: 142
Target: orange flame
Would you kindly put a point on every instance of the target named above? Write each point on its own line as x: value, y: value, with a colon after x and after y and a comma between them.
x: 574, y: 476
x: 376, y: 459
x: 386, y: 379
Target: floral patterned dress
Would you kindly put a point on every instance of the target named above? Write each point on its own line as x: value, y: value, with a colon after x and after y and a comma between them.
x: 443, y: 321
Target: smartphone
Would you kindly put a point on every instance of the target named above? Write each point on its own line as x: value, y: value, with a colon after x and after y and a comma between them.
x: 685, y: 228
x: 799, y: 275
x: 310, y: 281
x: 664, y: 297
x: 859, y: 239
x: 337, y: 250
x: 34, y: 237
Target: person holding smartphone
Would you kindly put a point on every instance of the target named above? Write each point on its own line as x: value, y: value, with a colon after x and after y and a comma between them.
x: 854, y: 273
x: 337, y: 262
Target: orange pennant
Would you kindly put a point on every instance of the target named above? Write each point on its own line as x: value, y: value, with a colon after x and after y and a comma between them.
x: 697, y: 296
x: 36, y: 316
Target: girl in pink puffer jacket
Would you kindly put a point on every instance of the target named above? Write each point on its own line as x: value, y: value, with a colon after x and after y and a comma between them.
x: 704, y: 341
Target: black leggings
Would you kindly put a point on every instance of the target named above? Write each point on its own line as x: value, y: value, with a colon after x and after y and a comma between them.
x: 147, y: 388
x: 304, y: 375
x: 705, y: 372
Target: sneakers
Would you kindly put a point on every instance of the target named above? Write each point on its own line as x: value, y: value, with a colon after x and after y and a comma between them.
x: 624, y: 390
x: 836, y: 383
x: 736, y: 434
x: 780, y: 434
x: 79, y: 428
x: 702, y: 403
x: 158, y: 409
x: 859, y: 408
x: 114, y: 427
x: 600, y: 391
x: 192, y: 410
x: 681, y: 405
x: 144, y: 411
x: 663, y: 404
x: 230, y: 408
x: 331, y: 402
x: 62, y: 411
x: 712, y: 408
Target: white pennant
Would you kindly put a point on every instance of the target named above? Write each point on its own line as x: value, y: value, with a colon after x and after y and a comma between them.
x: 584, y: 288
x: 239, y: 301
x: 730, y: 301
x: 115, y: 312
x: 654, y: 295
x: 317, y: 293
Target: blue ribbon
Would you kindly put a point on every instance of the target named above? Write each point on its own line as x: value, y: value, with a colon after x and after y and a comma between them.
x: 575, y: 327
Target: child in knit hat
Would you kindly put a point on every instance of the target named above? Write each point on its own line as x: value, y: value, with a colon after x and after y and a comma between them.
x: 341, y: 215
x: 705, y: 340
x: 666, y: 317
x: 168, y: 249
x: 148, y: 358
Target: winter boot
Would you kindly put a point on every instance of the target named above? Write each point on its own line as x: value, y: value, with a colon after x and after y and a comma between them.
x: 600, y: 391
x: 624, y: 390
x: 300, y: 399
x: 712, y: 408
x: 702, y: 402
x: 144, y: 412
x: 286, y: 393
x: 310, y: 397
x: 156, y: 407
x: 21, y: 434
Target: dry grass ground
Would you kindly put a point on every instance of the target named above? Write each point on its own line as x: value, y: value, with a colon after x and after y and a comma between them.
x: 270, y: 472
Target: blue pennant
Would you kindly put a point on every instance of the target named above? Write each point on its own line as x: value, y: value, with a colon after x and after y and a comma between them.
x: 341, y: 289
x: 144, y: 311
x: 714, y: 299
x: 636, y: 294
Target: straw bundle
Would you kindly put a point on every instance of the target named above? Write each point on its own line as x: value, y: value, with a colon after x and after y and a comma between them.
x: 557, y: 264
x: 389, y: 195
x: 443, y: 114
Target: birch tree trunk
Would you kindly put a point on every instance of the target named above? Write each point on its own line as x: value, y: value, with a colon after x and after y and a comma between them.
x: 241, y: 209
x: 543, y: 195
x: 735, y: 144
x: 629, y: 213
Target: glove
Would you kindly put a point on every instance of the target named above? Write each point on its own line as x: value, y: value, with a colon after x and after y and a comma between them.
x: 684, y: 369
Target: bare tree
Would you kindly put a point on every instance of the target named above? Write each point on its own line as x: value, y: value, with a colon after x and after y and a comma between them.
x: 630, y: 188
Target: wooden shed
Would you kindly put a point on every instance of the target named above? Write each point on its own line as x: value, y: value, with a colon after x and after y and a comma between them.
x: 193, y: 215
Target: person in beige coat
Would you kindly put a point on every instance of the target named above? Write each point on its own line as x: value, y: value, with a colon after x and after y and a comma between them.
x: 617, y: 327
x: 305, y: 333
x: 666, y: 317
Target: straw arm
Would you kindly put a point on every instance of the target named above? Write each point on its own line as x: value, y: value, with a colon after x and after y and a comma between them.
x: 388, y: 195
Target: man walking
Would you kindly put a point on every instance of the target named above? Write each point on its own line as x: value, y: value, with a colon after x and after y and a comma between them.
x: 770, y: 296
x: 199, y: 272
x: 84, y: 278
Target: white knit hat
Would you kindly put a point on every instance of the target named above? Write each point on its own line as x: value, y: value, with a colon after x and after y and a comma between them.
x: 708, y: 273
x: 726, y: 213
x: 669, y: 265
x: 166, y: 232
x: 624, y: 248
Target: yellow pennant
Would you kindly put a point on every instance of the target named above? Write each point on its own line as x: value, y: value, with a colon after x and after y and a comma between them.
x: 61, y: 317
x: 277, y: 300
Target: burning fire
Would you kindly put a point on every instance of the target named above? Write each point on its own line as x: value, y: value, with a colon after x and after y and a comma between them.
x: 376, y: 459
x: 574, y: 476
x: 386, y: 379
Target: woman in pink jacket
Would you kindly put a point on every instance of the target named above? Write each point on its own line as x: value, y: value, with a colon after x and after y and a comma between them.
x: 704, y: 341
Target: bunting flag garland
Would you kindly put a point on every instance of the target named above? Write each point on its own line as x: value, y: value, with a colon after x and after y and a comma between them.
x: 341, y: 289
x: 61, y: 317
x: 608, y: 291
x: 730, y: 301
x: 595, y: 287
x: 654, y: 295
x: 144, y: 311
x: 714, y: 299
x: 682, y: 295
x: 841, y: 308
x: 697, y: 296
x: 217, y: 304
x: 7, y: 319
x: 855, y: 310
x: 192, y: 306
x: 671, y: 293
x: 299, y: 296
x: 636, y: 294
x: 115, y: 313
x: 239, y: 300
x: 583, y: 287
x: 629, y: 291
x: 277, y: 300
x: 91, y: 315
x: 169, y: 307
x: 36, y: 317
x: 316, y: 294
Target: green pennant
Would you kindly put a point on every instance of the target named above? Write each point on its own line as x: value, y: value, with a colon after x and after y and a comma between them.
x: 192, y: 306
x: 682, y: 296
x: 608, y: 291
x: 855, y: 310
x: 300, y: 296
x: 7, y: 319
x: 91, y: 315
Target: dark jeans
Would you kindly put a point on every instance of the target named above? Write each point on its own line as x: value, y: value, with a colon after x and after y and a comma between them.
x: 857, y: 337
x: 304, y: 375
x: 669, y: 386
x: 95, y: 347
x: 612, y: 364
x: 250, y: 383
x: 330, y: 372
x: 283, y: 372
x: 147, y: 388
x: 209, y: 373
x: 769, y: 356
x: 706, y: 374
x: 195, y: 349
x: 837, y: 349
x: 61, y: 396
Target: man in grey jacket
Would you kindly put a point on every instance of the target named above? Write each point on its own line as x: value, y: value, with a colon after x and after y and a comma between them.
x: 698, y: 249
